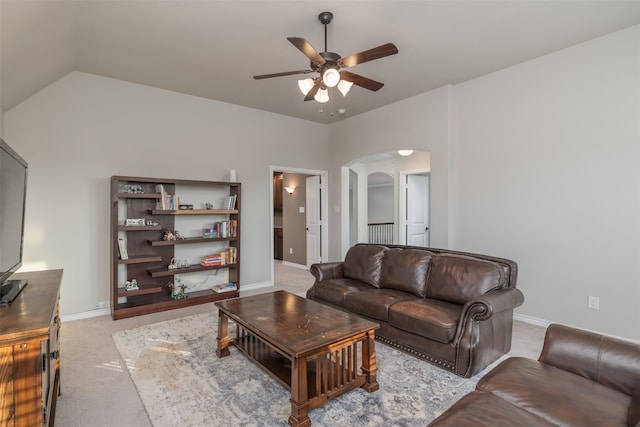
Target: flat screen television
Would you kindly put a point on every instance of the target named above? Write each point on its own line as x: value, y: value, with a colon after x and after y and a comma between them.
x: 13, y: 192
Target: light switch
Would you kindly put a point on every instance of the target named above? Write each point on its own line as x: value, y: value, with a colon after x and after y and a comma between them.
x: 301, y: 209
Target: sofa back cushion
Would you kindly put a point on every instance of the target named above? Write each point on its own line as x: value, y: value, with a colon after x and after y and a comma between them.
x: 459, y: 278
x: 406, y: 270
x: 364, y: 263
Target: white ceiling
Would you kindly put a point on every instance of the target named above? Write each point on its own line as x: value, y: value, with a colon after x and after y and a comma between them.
x: 212, y: 48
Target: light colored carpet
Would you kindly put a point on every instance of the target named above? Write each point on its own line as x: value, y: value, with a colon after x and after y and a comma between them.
x: 181, y: 381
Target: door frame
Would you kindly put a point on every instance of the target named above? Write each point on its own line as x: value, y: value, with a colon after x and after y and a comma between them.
x: 324, y: 211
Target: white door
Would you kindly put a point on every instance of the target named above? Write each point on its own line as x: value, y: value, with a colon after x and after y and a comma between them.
x: 314, y: 221
x: 417, y: 210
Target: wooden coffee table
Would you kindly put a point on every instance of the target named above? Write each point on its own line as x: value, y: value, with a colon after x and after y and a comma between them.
x: 316, y: 351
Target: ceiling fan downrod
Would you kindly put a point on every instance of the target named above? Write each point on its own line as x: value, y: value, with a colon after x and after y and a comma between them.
x: 325, y: 19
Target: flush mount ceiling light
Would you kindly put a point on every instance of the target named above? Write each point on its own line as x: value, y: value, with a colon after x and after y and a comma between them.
x: 405, y: 153
x: 328, y: 65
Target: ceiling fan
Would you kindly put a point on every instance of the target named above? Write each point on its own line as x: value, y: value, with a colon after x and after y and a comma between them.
x: 329, y: 64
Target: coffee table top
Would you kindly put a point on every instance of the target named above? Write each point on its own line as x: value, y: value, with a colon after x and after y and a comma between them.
x: 295, y: 324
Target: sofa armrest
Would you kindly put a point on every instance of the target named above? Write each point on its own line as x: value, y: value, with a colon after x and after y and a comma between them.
x: 483, y: 307
x: 611, y: 362
x: 327, y: 270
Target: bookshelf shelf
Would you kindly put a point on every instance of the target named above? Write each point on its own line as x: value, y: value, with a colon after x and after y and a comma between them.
x: 165, y: 272
x: 140, y: 259
x: 195, y: 212
x: 191, y: 240
x: 145, y: 245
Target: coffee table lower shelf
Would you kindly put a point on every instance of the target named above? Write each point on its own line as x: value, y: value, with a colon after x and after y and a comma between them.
x: 329, y: 373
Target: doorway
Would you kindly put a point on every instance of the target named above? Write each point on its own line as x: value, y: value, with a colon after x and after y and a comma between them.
x: 298, y: 208
x: 409, y: 198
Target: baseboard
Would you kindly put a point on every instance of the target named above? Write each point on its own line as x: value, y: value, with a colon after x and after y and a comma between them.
x: 255, y: 286
x: 294, y: 265
x: 85, y: 315
x: 531, y: 320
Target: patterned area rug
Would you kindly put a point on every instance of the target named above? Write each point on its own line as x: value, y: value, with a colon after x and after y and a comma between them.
x: 182, y: 382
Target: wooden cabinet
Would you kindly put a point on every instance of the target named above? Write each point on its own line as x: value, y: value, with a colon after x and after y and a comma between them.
x: 153, y: 261
x: 277, y: 192
x: 30, y: 352
x: 277, y: 243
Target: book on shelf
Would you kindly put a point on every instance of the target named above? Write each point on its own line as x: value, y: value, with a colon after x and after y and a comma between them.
x: 162, y: 204
x: 230, y: 202
x: 167, y: 202
x: 222, y: 229
x: 122, y: 247
x: 224, y: 287
x: 225, y: 257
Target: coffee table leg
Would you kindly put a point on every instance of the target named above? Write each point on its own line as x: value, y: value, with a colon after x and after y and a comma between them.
x: 223, y: 335
x: 299, y: 395
x: 369, y: 367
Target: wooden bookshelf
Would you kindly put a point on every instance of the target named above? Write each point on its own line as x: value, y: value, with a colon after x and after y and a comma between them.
x: 149, y: 256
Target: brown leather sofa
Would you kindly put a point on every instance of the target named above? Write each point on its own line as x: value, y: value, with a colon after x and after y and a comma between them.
x: 453, y: 309
x: 581, y: 379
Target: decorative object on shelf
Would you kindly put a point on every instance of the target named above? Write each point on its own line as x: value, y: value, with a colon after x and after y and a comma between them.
x: 175, y: 264
x: 152, y: 223
x: 208, y: 206
x: 131, y: 285
x: 132, y: 189
x: 185, y: 207
x: 177, y: 291
x: 135, y: 222
x: 171, y: 235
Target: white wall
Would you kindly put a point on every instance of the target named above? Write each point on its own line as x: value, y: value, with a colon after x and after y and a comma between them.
x: 542, y: 160
x: 83, y: 129
x: 419, y: 123
x: 545, y: 170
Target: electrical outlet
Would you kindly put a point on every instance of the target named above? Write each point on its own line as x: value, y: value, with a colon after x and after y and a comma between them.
x: 593, y: 303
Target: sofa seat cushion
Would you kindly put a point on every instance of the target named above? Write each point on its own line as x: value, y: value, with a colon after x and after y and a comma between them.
x: 483, y: 409
x: 429, y: 318
x: 459, y: 278
x: 406, y: 270
x: 364, y: 263
x: 374, y: 303
x: 558, y: 396
x: 333, y: 291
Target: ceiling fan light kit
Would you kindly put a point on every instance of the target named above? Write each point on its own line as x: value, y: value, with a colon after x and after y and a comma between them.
x: 328, y: 65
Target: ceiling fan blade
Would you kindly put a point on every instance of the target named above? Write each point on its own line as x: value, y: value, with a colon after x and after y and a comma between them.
x: 368, y: 55
x: 307, y: 49
x: 286, y: 73
x: 314, y: 90
x: 361, y: 81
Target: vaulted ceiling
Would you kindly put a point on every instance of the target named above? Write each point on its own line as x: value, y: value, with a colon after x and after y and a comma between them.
x: 212, y: 48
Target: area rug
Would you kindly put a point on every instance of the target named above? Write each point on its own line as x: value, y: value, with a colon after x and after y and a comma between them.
x: 182, y: 382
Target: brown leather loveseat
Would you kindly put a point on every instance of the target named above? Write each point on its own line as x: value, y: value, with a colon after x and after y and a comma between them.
x: 581, y: 379
x: 453, y: 309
